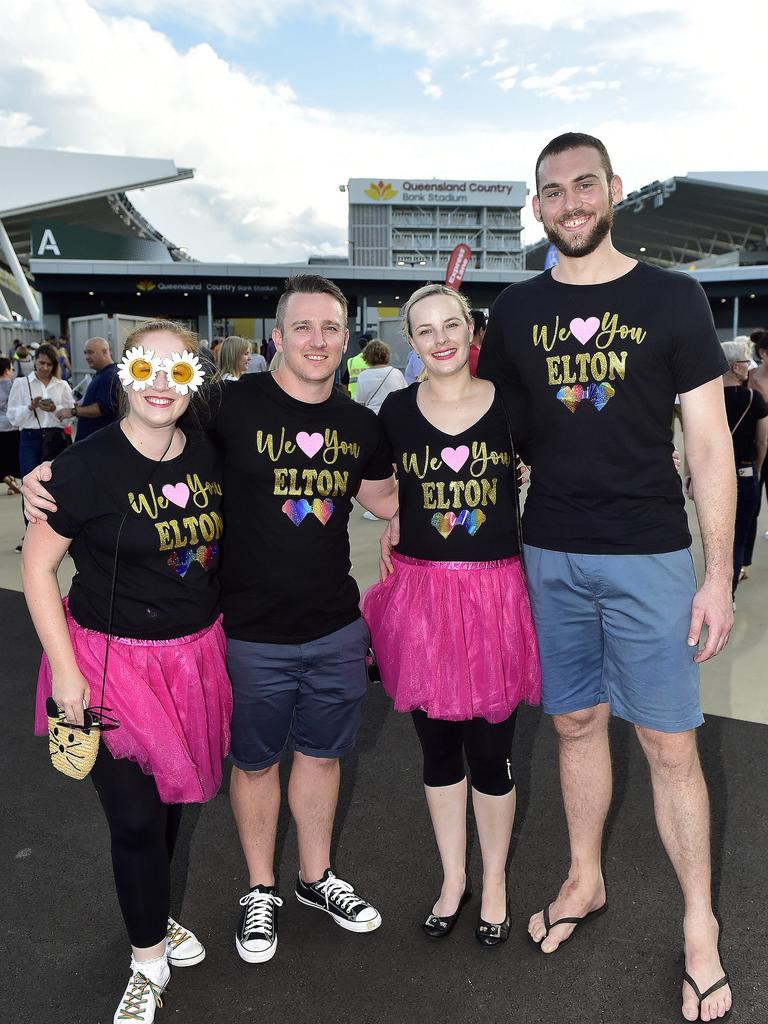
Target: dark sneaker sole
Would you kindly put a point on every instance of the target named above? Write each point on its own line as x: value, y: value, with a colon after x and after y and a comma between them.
x: 259, y: 956
x: 351, y: 926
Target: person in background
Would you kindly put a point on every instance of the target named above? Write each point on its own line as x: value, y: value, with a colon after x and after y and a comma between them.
x: 414, y: 368
x: 233, y: 357
x: 99, y: 405
x: 758, y: 379
x: 257, y: 363
x: 9, y: 435
x: 64, y: 364
x: 23, y: 361
x: 747, y: 414
x: 355, y: 366
x: 379, y: 379
x: 480, y: 320
x: 33, y: 405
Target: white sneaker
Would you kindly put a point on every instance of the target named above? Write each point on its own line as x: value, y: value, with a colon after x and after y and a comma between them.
x: 140, y: 1000
x: 184, y: 947
x: 370, y: 517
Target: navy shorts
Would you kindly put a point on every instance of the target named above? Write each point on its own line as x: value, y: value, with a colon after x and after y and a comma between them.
x: 614, y: 629
x: 309, y: 694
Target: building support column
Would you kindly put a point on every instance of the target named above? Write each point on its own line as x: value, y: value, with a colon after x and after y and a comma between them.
x: 13, y: 262
x: 735, y: 316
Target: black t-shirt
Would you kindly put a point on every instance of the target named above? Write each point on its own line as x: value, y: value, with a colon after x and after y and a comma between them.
x: 601, y: 365
x: 457, y: 491
x: 737, y: 405
x: 167, y: 582
x: 291, y: 470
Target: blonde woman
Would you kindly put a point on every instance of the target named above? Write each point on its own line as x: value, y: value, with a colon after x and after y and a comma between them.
x: 233, y: 357
x: 148, y: 489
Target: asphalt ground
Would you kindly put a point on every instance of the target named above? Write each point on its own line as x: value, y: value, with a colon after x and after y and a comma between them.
x: 65, y: 954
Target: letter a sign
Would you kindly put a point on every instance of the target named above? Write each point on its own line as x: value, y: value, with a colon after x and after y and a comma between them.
x: 49, y: 244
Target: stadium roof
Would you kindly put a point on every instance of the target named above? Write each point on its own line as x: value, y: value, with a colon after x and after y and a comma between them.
x: 703, y: 219
x: 83, y: 190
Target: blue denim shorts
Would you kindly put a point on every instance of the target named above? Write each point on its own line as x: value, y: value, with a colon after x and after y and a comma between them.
x: 614, y: 629
x: 309, y: 694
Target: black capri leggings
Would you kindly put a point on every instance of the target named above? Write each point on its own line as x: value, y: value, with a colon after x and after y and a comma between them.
x: 487, y: 746
x: 143, y: 831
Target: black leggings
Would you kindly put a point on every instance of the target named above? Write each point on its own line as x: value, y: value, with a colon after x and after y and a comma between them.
x: 487, y: 747
x: 144, y: 832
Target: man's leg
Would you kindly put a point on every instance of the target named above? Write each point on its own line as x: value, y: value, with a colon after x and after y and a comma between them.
x: 255, y: 799
x: 313, y: 793
x: 682, y: 816
x: 585, y: 777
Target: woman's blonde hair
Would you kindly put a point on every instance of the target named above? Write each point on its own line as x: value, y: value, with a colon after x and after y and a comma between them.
x: 230, y: 351
x: 188, y: 338
x: 424, y: 293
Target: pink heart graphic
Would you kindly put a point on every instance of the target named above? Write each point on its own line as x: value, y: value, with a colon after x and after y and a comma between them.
x: 177, y: 493
x: 297, y: 511
x: 583, y: 330
x: 310, y: 444
x: 455, y: 457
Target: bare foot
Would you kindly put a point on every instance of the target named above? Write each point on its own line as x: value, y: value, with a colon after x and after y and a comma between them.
x: 575, y: 899
x: 494, y: 905
x: 702, y: 962
x: 450, y: 896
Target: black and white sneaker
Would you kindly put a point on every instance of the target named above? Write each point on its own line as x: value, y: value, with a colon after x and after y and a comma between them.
x: 338, y: 898
x: 256, y: 935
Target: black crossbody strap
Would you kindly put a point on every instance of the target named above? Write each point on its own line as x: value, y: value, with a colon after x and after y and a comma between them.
x: 508, y: 418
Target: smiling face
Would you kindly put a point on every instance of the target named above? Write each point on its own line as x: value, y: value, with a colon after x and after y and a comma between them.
x: 440, y: 334
x: 313, y: 339
x: 575, y: 201
x: 157, y: 405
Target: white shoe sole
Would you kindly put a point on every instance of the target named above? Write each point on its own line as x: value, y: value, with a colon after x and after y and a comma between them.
x: 188, y: 961
x: 255, y: 957
x: 351, y: 926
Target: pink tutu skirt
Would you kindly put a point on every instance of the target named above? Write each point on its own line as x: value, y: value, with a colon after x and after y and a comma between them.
x: 173, y: 700
x: 455, y: 639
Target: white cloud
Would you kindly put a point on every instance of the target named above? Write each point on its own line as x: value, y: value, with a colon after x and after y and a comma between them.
x: 561, y: 86
x: 507, y: 78
x: 17, y: 129
x: 434, y: 92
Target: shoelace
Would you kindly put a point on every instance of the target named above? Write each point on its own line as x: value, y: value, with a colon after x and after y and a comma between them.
x: 135, y: 998
x: 338, y: 892
x: 175, y: 934
x: 260, y: 916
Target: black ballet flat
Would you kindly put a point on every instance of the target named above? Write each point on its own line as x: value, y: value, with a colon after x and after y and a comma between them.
x: 438, y: 927
x: 492, y: 934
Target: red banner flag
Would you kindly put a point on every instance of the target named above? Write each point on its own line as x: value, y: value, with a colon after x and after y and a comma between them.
x: 457, y: 264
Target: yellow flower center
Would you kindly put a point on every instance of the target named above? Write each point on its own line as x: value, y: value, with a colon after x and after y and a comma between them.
x: 140, y: 369
x: 182, y: 372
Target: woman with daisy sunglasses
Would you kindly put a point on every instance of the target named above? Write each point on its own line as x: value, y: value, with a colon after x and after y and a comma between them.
x: 139, y: 511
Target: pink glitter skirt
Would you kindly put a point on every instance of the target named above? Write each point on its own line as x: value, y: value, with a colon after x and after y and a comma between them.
x: 173, y: 700
x: 455, y: 639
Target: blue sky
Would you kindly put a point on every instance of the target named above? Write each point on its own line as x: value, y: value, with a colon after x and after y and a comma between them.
x: 276, y: 105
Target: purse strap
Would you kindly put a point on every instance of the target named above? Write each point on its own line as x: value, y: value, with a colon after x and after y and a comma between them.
x: 378, y: 389
x: 749, y: 406
x: 31, y: 398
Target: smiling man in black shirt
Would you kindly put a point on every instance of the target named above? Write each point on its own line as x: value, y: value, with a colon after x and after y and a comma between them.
x: 599, y: 346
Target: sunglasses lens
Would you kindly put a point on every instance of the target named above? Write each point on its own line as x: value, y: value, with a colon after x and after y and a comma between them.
x: 182, y: 373
x: 140, y: 369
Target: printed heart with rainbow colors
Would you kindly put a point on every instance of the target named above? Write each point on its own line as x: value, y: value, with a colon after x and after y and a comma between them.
x: 598, y: 394
x: 180, y: 561
x: 471, y: 521
x: 297, y: 511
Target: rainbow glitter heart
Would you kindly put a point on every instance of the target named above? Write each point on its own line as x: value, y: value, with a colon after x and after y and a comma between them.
x: 444, y: 524
x: 471, y: 521
x: 598, y: 394
x: 205, y: 555
x: 297, y: 511
x: 323, y: 509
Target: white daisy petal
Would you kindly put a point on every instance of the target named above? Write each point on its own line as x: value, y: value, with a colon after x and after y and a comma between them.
x: 184, y: 372
x: 138, y: 368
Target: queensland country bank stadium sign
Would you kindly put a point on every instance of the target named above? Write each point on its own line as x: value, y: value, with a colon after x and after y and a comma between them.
x: 435, y: 192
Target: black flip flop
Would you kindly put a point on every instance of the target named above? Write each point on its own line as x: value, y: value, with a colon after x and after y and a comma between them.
x: 549, y: 925
x: 701, y: 996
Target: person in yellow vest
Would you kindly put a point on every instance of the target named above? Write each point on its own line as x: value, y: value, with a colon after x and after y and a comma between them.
x: 355, y: 366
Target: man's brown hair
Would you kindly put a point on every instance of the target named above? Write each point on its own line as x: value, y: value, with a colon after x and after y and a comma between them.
x: 308, y: 284
x: 573, y: 140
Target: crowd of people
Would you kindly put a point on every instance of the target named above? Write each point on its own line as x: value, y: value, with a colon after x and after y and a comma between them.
x: 219, y: 494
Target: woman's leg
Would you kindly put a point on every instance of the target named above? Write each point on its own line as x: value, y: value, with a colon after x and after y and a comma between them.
x: 749, y: 547
x: 143, y: 830
x: 445, y: 785
x: 30, y: 454
x: 488, y: 749
x: 747, y: 509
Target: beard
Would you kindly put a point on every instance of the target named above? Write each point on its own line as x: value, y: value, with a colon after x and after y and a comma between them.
x: 581, y: 245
